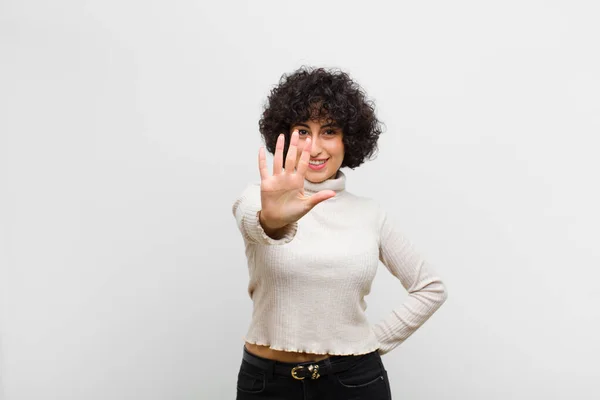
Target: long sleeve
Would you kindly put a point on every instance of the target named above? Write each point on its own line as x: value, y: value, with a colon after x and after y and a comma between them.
x: 246, y: 208
x: 426, y: 290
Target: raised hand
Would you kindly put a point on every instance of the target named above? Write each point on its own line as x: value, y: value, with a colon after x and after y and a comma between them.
x: 282, y: 194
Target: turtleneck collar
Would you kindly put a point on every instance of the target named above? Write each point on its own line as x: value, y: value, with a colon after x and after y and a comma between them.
x: 338, y: 184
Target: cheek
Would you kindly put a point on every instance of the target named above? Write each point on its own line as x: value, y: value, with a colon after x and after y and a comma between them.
x: 338, y: 149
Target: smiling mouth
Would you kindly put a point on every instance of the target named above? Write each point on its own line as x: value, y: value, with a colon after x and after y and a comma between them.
x: 317, y: 165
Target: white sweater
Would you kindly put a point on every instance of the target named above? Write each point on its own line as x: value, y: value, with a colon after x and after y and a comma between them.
x: 308, y: 287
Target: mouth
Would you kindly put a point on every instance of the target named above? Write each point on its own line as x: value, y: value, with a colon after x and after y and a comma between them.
x: 317, y: 165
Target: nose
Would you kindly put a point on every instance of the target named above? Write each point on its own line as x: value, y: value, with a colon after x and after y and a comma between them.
x: 315, y: 149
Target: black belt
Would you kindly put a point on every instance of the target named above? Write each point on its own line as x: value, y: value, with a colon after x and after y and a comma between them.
x: 310, y: 369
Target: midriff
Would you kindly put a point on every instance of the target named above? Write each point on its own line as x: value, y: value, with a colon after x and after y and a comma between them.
x: 283, y: 356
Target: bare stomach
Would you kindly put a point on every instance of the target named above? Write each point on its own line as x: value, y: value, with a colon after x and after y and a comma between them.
x: 283, y: 356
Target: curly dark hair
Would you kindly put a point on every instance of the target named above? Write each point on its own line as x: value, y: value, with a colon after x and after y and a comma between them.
x: 319, y: 93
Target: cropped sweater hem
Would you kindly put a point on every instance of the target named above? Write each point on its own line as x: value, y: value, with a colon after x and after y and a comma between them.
x: 311, y: 351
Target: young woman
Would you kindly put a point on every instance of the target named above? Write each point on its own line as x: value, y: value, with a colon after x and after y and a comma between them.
x: 313, y: 249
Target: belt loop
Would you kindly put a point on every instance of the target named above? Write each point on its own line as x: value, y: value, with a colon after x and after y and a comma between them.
x: 271, y: 370
x: 328, y: 369
x: 379, y: 359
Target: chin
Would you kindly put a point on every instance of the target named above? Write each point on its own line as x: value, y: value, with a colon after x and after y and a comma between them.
x: 314, y: 179
x: 318, y: 177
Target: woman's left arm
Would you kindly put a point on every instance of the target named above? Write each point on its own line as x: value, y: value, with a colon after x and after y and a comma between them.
x: 426, y: 291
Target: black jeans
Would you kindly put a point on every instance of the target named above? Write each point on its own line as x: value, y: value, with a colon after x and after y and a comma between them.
x: 335, y: 378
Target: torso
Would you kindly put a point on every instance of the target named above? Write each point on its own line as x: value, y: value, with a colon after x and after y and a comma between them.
x: 340, y: 273
x: 283, y: 356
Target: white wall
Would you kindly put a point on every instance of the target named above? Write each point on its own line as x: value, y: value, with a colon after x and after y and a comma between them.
x: 127, y: 129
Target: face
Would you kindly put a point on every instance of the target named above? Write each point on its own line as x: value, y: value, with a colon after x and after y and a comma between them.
x: 327, y: 146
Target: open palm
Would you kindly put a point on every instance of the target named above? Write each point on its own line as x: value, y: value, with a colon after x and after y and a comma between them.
x: 282, y: 193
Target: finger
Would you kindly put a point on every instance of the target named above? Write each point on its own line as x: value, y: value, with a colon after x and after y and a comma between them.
x: 262, y: 164
x: 304, y: 157
x: 320, y: 196
x: 290, y: 159
x: 278, y: 159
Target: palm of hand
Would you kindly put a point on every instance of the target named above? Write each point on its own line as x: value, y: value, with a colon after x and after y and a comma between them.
x: 282, y: 193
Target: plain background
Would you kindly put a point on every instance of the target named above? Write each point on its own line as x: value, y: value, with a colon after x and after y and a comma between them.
x: 128, y: 128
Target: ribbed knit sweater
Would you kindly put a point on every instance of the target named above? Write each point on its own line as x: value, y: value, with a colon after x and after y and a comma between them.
x: 308, y: 287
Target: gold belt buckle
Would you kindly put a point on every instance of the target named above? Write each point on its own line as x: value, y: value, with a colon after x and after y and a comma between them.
x: 314, y: 369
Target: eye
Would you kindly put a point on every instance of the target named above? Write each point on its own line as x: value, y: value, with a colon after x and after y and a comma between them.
x: 302, y: 132
x: 330, y: 131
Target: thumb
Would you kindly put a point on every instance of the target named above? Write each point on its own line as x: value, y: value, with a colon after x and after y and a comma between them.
x: 320, y: 196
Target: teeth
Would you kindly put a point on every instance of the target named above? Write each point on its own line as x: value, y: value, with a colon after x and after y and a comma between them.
x: 317, y: 162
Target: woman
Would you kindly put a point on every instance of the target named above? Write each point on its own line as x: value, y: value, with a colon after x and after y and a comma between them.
x: 313, y: 250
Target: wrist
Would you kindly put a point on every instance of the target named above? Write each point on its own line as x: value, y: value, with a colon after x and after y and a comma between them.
x: 269, y: 229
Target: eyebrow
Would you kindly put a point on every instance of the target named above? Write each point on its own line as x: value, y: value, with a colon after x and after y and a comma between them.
x: 332, y: 124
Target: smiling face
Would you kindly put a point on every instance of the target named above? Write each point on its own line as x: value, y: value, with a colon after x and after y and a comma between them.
x: 327, y: 152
